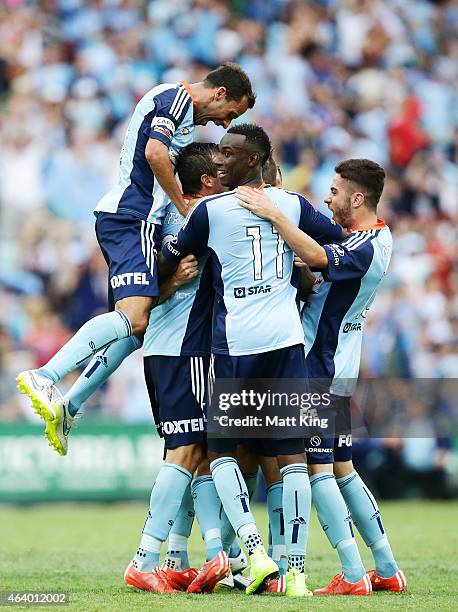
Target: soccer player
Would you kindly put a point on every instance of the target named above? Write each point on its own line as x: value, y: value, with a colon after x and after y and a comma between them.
x: 250, y: 339
x: 128, y: 218
x: 176, y: 359
x: 333, y: 322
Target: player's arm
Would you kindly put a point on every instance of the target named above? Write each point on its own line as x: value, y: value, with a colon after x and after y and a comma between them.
x: 192, y: 238
x: 157, y: 155
x: 186, y: 271
x: 314, y: 228
x: 171, y: 107
x: 303, y: 245
x: 307, y: 279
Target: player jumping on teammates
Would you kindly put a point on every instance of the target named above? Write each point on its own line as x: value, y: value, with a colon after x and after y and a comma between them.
x: 128, y: 218
x: 333, y: 321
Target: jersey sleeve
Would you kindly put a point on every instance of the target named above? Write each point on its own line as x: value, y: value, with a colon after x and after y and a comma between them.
x: 349, y: 259
x: 172, y: 223
x: 318, y: 226
x: 193, y: 236
x: 171, y: 107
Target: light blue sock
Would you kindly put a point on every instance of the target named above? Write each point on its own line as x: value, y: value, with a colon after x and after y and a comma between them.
x: 165, y: 501
x: 177, y: 549
x: 274, y: 495
x: 233, y: 493
x: 94, y: 336
x: 99, y: 369
x: 296, y: 512
x: 228, y: 535
x: 207, y: 505
x: 229, y: 539
x: 333, y: 516
x: 366, y: 517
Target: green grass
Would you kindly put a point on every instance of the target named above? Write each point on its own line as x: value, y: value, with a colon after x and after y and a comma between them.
x: 84, y: 549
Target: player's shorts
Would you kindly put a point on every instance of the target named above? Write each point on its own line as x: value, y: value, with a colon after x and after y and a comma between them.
x: 287, y: 362
x: 177, y: 388
x: 327, y: 450
x: 128, y: 246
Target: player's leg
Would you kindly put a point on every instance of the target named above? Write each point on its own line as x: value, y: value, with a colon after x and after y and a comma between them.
x: 367, y: 518
x: 296, y: 502
x: 183, y: 428
x: 333, y: 517
x: 274, y: 494
x: 232, y: 489
x: 177, y: 545
x: 133, y: 282
x: 249, y: 463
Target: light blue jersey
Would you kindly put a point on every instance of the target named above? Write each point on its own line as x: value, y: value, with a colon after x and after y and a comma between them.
x: 181, y: 326
x: 252, y: 269
x: 165, y: 113
x: 333, y: 319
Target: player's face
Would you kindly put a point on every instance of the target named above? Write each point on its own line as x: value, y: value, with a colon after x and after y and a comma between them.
x: 232, y: 161
x: 220, y: 110
x: 339, y: 201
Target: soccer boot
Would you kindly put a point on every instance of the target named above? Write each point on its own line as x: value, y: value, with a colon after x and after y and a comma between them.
x: 276, y: 585
x: 49, y: 404
x: 210, y: 574
x: 261, y: 567
x: 295, y: 584
x: 179, y: 580
x: 226, y: 584
x: 339, y: 586
x: 147, y: 581
x: 396, y: 583
x: 238, y: 564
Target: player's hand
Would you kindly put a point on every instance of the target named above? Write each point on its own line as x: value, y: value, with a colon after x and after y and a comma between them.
x: 256, y: 201
x: 298, y: 262
x: 186, y: 271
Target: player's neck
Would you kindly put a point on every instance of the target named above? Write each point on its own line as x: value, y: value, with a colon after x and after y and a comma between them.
x: 364, y: 219
x: 252, y: 181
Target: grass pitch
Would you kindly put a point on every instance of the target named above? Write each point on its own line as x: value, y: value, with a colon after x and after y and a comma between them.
x: 83, y: 549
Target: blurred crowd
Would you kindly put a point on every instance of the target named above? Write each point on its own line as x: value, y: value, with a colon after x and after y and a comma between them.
x: 334, y: 79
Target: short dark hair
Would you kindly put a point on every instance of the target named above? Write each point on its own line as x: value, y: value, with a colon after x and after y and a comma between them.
x: 269, y: 171
x: 366, y: 174
x: 256, y: 137
x: 234, y: 79
x: 193, y: 161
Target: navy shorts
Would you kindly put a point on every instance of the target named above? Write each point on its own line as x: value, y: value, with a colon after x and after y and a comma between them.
x: 177, y: 388
x: 327, y: 450
x: 128, y: 246
x: 287, y: 362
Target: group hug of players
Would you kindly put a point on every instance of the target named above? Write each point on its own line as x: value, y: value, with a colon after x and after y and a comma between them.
x: 206, y: 275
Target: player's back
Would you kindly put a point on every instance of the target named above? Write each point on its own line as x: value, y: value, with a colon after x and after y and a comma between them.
x: 255, y: 304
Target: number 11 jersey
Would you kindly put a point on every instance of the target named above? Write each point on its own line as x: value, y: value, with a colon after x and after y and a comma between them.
x: 256, y: 307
